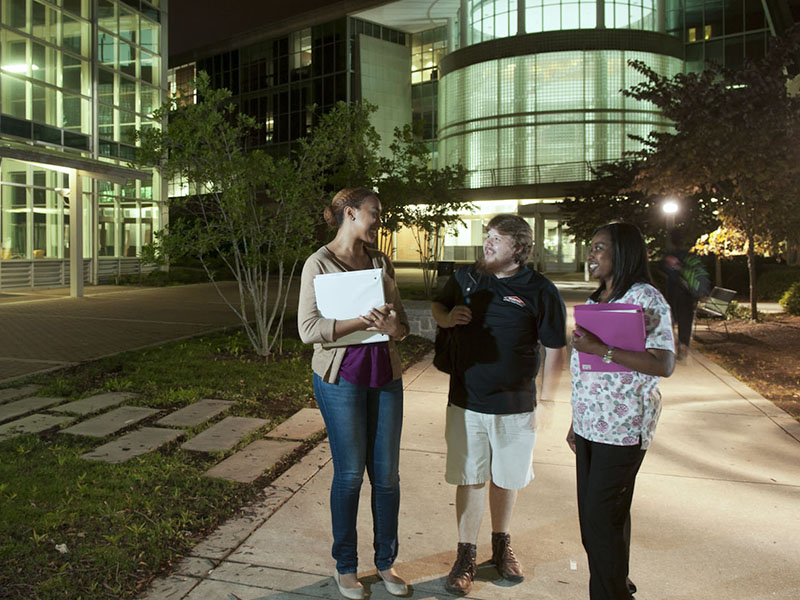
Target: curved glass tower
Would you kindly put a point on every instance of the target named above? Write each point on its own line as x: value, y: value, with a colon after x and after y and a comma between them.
x: 533, y: 96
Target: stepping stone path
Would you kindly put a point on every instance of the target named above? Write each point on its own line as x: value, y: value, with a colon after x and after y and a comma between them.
x: 194, y: 414
x: 249, y: 464
x: 133, y: 444
x: 9, y: 394
x: 111, y: 422
x: 224, y: 435
x: 25, y: 406
x: 244, y: 466
x: 300, y: 426
x: 95, y: 403
x: 32, y: 424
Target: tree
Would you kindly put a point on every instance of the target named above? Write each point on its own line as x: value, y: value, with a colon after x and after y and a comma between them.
x: 734, y: 140
x: 254, y: 214
x: 423, y: 199
x: 612, y: 196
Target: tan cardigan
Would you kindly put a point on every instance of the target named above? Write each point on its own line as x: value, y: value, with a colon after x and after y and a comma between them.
x: 316, y: 329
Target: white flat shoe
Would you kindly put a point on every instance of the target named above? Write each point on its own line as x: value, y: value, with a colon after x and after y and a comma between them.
x: 356, y: 593
x: 395, y: 589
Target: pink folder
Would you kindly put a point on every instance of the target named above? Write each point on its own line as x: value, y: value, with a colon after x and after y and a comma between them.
x: 617, y: 325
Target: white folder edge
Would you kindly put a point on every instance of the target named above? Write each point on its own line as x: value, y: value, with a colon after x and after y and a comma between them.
x: 347, y: 295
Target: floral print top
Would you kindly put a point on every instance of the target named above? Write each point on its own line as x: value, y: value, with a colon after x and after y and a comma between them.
x: 622, y: 408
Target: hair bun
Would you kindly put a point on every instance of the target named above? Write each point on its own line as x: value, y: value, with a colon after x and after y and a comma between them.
x: 329, y: 217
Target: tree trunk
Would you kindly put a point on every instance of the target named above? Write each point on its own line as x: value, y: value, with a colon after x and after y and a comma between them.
x: 751, y: 270
x: 717, y: 270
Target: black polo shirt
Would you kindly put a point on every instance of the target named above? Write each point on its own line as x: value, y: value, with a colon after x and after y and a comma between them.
x: 498, y: 351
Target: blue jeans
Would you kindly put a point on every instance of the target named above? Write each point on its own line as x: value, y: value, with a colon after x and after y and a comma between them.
x: 364, y: 426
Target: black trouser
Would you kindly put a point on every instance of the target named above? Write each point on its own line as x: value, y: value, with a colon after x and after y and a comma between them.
x: 606, y: 475
x: 683, y: 307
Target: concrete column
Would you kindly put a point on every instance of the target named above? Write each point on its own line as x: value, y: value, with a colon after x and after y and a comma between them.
x: 661, y: 16
x: 75, y: 234
x: 463, y: 42
x: 94, y: 272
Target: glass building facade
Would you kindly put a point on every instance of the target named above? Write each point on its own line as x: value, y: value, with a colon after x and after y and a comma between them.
x: 544, y: 118
x: 526, y: 94
x: 78, y: 78
x: 278, y: 79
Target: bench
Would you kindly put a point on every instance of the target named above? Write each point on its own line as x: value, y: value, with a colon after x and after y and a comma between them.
x: 714, y: 307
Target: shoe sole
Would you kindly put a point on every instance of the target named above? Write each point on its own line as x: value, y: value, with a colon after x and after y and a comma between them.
x: 512, y: 578
x: 455, y: 592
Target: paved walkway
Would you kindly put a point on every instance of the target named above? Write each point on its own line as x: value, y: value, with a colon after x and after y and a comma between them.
x: 46, y: 329
x: 715, y: 513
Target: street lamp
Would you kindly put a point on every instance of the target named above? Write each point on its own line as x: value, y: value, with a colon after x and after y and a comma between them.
x: 670, y: 207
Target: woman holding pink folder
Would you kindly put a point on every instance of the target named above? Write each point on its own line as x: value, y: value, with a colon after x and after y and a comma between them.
x: 359, y: 390
x: 614, y: 412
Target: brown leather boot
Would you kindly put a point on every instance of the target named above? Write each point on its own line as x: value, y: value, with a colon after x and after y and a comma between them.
x: 459, y: 580
x: 503, y: 558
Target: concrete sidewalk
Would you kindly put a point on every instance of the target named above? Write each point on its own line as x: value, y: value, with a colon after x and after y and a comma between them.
x: 715, y: 513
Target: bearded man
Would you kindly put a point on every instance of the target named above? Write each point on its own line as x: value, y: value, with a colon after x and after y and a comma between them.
x: 500, y: 309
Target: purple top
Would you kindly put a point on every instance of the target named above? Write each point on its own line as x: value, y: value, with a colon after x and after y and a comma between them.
x: 368, y: 365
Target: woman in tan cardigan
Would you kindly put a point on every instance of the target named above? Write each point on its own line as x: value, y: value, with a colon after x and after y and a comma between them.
x: 359, y: 390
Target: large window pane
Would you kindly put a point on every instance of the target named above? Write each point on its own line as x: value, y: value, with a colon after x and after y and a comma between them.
x: 150, y: 99
x: 148, y: 221
x: 47, y: 212
x: 127, y: 127
x: 105, y: 86
x: 79, y: 7
x: 43, y: 105
x: 149, y: 36
x: 128, y: 25
x: 44, y: 22
x: 76, y: 113
x: 15, y: 217
x: 105, y: 119
x: 74, y: 74
x: 130, y: 231
x: 13, y: 96
x: 107, y: 49
x: 76, y: 36
x: 107, y: 15
x: 127, y: 93
x: 150, y: 72
x: 108, y: 227
x: 17, y: 14
x: 127, y: 59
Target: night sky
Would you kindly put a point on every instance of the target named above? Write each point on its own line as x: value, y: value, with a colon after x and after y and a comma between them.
x: 196, y: 23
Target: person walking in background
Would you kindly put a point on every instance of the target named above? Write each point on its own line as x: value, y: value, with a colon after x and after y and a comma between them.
x: 614, y: 414
x: 687, y: 282
x: 359, y: 390
x: 500, y: 310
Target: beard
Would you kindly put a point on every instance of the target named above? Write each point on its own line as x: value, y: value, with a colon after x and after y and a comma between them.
x: 486, y: 268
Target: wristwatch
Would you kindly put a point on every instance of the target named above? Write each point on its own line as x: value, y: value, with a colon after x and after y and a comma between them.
x: 608, y: 357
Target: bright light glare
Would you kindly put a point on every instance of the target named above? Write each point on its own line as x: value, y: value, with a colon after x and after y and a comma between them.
x: 19, y: 68
x: 670, y: 207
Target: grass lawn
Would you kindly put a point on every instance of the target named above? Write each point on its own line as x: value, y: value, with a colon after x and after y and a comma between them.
x: 76, y: 529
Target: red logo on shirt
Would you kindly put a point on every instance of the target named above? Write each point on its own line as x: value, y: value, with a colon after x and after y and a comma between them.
x: 515, y: 300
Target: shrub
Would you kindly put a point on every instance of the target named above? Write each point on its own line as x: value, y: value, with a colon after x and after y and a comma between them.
x: 791, y: 299
x: 774, y: 283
